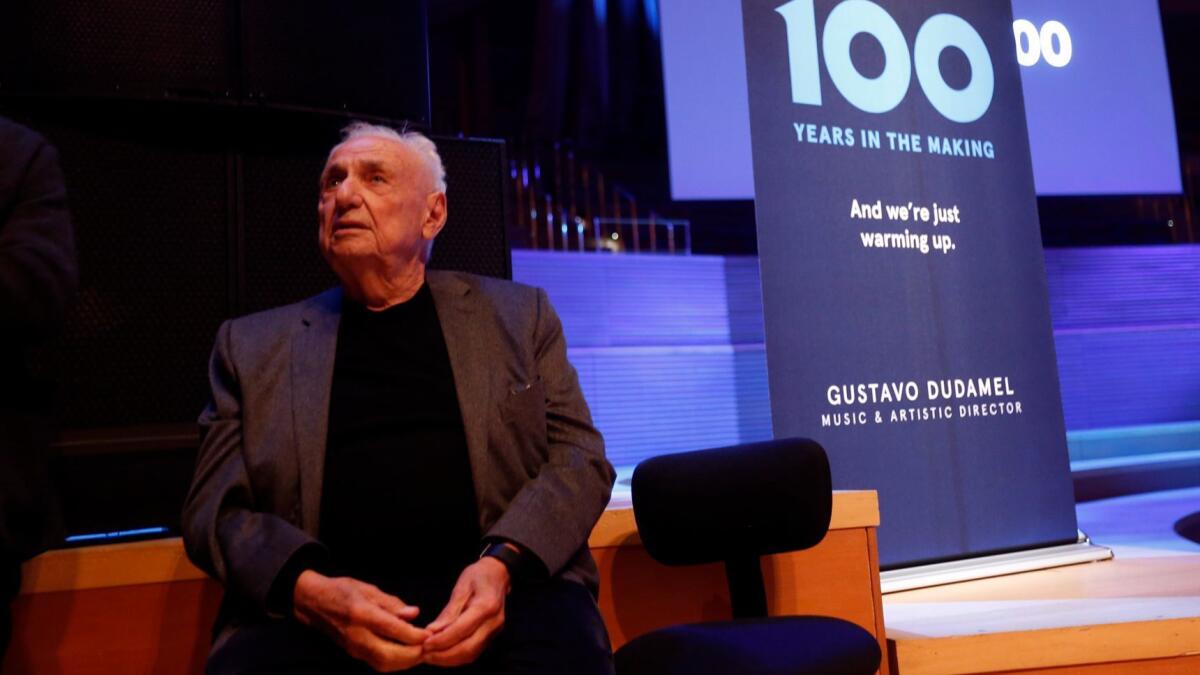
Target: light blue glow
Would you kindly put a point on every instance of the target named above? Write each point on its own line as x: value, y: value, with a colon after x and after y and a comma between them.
x: 650, y: 8
x: 116, y: 535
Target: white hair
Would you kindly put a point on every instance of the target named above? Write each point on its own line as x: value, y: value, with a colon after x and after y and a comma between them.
x: 415, y: 141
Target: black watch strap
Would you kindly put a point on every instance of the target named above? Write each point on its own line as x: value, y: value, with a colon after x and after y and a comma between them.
x: 504, y: 553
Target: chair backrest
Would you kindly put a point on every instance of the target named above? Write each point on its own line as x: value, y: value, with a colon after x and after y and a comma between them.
x: 752, y: 499
x: 733, y: 505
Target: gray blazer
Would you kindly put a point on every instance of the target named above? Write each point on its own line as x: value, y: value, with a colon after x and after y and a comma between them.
x: 538, y: 465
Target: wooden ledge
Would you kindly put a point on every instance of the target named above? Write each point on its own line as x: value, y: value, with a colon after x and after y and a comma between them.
x: 163, y: 560
x: 108, y: 565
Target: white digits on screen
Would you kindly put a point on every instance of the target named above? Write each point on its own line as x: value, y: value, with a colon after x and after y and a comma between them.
x: 1034, y: 45
x: 886, y: 90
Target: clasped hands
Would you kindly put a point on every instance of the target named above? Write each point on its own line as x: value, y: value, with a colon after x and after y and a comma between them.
x: 377, y: 628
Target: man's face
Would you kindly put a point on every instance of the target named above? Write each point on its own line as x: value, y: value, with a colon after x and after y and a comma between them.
x: 377, y: 208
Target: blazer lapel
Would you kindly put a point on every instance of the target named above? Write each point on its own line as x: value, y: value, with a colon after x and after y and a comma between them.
x: 314, y: 346
x: 456, y: 307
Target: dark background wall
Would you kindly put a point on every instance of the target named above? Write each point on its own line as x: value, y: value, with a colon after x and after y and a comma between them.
x: 191, y: 136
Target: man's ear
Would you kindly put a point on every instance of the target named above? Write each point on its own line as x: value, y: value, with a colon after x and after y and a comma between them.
x: 436, y: 219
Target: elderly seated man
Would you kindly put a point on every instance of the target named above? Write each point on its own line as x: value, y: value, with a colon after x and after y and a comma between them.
x: 401, y: 472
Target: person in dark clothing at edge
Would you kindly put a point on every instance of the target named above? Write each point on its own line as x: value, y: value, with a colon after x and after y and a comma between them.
x: 401, y: 472
x: 38, y: 277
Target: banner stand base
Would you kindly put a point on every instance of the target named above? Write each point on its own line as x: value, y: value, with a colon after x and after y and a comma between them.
x: 982, y: 567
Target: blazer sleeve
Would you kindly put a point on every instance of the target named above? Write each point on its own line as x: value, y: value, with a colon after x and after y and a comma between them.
x: 224, y: 533
x: 553, y: 514
x: 38, y: 272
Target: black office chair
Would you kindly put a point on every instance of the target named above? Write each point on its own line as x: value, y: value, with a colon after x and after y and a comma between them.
x: 734, y: 505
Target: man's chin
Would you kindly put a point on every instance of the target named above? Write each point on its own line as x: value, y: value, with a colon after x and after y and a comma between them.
x: 349, y: 243
x: 347, y: 235
x: 346, y: 255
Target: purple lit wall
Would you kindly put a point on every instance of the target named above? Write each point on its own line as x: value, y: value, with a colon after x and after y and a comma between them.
x: 1103, y: 123
x: 670, y: 354
x: 669, y: 349
x: 1127, y: 330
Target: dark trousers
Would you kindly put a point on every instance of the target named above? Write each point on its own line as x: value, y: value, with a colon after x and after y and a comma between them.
x: 10, y: 585
x: 551, y: 628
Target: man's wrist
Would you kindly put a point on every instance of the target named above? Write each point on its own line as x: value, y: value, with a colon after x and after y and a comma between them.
x: 282, y: 595
x: 307, y: 587
x: 508, y: 553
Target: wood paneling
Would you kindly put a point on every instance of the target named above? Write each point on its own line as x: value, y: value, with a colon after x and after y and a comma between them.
x: 1137, y: 613
x: 1187, y: 665
x: 144, y: 608
x: 1100, y: 645
x: 131, y: 630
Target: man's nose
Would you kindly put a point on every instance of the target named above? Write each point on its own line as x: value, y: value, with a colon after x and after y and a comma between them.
x: 347, y: 194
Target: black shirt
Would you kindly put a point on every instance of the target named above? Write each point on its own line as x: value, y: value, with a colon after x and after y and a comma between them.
x: 398, y: 505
